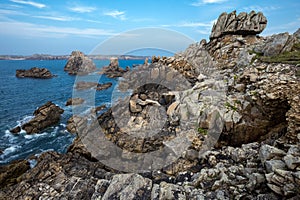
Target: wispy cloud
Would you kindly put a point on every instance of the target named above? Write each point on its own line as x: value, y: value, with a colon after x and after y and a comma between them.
x: 31, y: 3
x: 56, y: 18
x: 116, y: 14
x: 202, y: 2
x: 264, y: 9
x: 190, y: 24
x: 35, y: 30
x: 82, y: 9
x: 11, y: 12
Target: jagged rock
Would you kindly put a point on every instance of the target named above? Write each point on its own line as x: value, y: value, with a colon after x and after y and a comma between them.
x: 278, y: 43
x: 103, y: 86
x: 128, y: 186
x: 45, y: 116
x: 78, y: 63
x: 16, y: 130
x: 113, y: 70
x: 82, y: 85
x: 268, y: 152
x: 10, y: 173
x: 74, y: 101
x: 243, y: 24
x: 34, y: 72
x: 76, y: 124
x: 98, y: 109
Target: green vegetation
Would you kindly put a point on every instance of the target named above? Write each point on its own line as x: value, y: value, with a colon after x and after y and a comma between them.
x: 202, y: 131
x: 230, y: 107
x: 292, y: 57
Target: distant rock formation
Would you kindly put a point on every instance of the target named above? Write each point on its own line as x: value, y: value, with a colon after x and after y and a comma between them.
x: 113, y: 70
x: 74, y: 101
x: 34, y: 72
x: 243, y: 24
x: 79, y: 64
x: 45, y: 116
x: 92, y: 85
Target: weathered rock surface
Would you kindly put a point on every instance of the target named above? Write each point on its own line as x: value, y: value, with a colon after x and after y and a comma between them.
x: 252, y: 105
x: 113, y: 70
x: 74, y: 101
x: 79, y: 64
x: 103, y: 86
x: 241, y: 24
x: 45, y: 116
x: 34, y: 72
x: 82, y: 85
x: 76, y: 124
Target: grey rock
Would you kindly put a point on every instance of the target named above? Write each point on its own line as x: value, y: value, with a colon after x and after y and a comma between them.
x: 128, y: 187
x: 78, y: 63
x: 243, y: 24
x: 268, y: 152
x: 271, y: 165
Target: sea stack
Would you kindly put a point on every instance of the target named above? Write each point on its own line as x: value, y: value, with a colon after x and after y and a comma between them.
x: 79, y: 64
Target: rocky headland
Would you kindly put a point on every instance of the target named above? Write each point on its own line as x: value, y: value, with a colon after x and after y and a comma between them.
x: 34, y: 72
x: 239, y: 84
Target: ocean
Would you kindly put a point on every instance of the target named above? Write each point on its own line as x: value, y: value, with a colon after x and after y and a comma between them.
x: 20, y: 97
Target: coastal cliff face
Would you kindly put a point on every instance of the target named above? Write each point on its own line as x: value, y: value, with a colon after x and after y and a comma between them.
x: 251, y: 82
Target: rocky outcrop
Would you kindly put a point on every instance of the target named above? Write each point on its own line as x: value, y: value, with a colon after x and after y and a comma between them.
x: 278, y: 44
x: 241, y: 24
x: 79, y: 64
x: 82, y: 85
x: 113, y: 70
x: 103, y: 86
x: 9, y: 174
x: 34, y: 72
x: 74, y: 101
x: 76, y: 124
x: 45, y: 116
x: 239, y: 114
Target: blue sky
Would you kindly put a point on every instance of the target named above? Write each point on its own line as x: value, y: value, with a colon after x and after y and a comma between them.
x: 58, y: 27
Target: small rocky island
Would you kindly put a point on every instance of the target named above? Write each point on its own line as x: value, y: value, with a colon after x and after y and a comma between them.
x: 249, y: 81
x: 79, y: 64
x: 34, y: 72
x: 45, y: 116
x: 113, y: 70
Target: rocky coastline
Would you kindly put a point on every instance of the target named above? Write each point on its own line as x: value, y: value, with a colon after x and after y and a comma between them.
x: 250, y: 82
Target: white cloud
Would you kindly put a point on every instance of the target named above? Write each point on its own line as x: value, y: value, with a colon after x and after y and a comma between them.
x: 58, y: 18
x: 11, y: 12
x: 22, y: 29
x: 82, y: 9
x: 116, y: 14
x: 31, y: 3
x: 261, y: 9
x: 190, y: 24
x: 202, y: 2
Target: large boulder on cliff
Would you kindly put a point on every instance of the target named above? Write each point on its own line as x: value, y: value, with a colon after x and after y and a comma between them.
x: 243, y: 24
x: 34, y: 72
x: 78, y: 63
x: 45, y: 116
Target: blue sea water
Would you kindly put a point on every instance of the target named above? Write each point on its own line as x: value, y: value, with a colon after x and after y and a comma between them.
x: 20, y: 97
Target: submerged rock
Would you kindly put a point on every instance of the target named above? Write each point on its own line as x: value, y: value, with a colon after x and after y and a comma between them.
x: 34, y: 72
x: 79, y: 64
